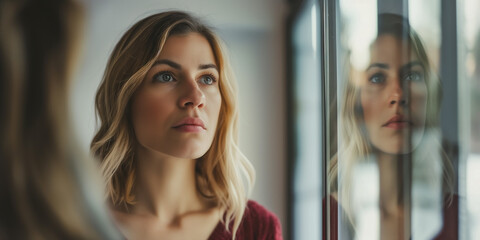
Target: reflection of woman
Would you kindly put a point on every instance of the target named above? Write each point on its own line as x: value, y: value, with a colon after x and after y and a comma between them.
x: 167, y: 141
x: 44, y: 193
x: 390, y: 118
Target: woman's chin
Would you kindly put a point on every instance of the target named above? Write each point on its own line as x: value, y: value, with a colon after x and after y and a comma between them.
x: 185, y: 154
x: 400, y: 146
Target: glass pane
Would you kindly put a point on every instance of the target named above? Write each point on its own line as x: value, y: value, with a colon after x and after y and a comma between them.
x: 395, y: 172
x: 307, y: 172
x: 469, y: 92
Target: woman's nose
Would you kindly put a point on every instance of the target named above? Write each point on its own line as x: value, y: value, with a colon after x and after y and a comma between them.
x: 398, y: 95
x: 192, y: 96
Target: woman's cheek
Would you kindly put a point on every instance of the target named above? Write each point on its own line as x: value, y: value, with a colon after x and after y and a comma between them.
x: 152, y: 108
x: 419, y: 105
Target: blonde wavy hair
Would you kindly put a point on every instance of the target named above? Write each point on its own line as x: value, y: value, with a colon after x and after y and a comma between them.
x: 223, y: 173
x: 355, y: 147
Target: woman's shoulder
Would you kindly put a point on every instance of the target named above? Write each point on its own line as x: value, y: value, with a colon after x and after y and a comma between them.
x: 260, y: 223
x: 256, y: 212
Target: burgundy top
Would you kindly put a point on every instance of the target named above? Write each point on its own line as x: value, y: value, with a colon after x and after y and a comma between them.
x: 449, y: 230
x: 258, y: 223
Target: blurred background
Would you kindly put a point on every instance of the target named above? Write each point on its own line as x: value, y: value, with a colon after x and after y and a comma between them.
x: 284, y: 54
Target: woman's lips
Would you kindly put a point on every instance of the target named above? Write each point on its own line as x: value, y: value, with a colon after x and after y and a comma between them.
x: 190, y: 128
x: 397, y: 125
x: 398, y: 122
x: 190, y: 124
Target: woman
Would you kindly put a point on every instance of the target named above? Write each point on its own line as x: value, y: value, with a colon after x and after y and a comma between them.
x: 46, y: 187
x: 167, y: 141
x: 391, y: 138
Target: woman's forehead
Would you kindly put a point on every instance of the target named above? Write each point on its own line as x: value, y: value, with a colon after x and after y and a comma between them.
x: 190, y: 46
x: 388, y: 48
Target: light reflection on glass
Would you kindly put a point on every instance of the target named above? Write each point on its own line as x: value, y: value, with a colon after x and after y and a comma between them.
x: 469, y: 80
x: 307, y: 173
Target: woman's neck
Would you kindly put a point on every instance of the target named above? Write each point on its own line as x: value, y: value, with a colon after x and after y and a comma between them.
x: 395, y: 177
x: 166, y: 187
x: 389, y: 181
x: 394, y: 194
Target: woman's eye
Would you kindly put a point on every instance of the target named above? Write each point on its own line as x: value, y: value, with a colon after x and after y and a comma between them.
x: 413, y: 76
x: 207, y: 79
x: 163, y: 77
x: 377, y: 78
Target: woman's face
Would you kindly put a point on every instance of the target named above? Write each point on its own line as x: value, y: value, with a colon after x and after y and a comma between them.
x: 175, y: 110
x: 393, y: 96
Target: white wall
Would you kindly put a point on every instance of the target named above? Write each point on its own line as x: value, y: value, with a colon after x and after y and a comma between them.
x: 254, y: 33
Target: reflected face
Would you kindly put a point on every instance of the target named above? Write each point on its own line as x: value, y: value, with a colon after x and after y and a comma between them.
x: 393, y: 96
x: 175, y: 110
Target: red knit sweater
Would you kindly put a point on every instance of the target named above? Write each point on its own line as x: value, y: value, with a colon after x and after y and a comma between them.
x: 258, y: 223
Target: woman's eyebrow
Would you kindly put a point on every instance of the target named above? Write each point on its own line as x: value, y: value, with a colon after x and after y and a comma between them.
x: 411, y: 65
x: 169, y: 63
x: 207, y: 66
x: 179, y: 67
x: 378, y: 65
